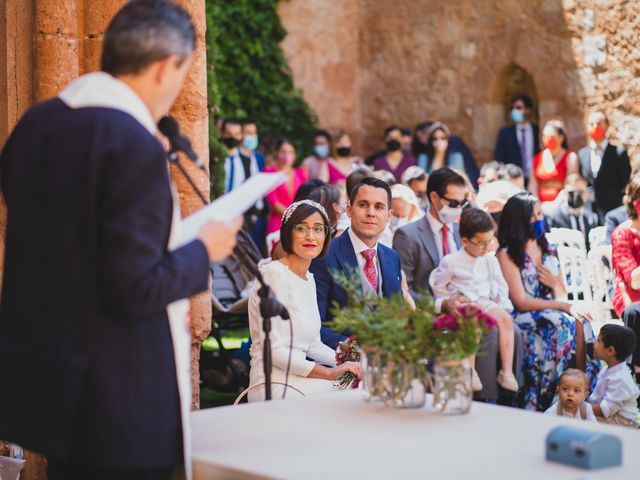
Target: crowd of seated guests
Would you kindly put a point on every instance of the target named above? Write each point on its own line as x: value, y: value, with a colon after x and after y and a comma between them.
x: 410, y: 219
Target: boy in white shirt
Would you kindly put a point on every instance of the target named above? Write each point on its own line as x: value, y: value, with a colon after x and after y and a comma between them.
x: 475, y: 272
x: 573, y: 388
x: 615, y: 395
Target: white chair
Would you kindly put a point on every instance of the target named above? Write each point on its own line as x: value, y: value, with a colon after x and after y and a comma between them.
x: 576, y: 273
x: 568, y: 238
x: 597, y: 236
x: 602, y: 277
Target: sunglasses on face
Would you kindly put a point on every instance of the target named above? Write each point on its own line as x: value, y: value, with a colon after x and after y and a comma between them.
x: 455, y: 203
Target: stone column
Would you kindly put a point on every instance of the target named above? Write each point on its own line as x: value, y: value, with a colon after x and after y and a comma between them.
x: 190, y: 110
x: 56, y: 46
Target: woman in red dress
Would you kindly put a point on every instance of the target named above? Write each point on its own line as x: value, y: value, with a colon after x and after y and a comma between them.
x: 552, y: 165
x: 625, y: 244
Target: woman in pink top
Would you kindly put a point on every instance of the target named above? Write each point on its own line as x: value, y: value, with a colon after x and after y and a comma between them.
x: 280, y: 198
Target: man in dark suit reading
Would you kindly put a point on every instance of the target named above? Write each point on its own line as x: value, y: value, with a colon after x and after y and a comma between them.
x: 96, y: 278
x: 357, y: 249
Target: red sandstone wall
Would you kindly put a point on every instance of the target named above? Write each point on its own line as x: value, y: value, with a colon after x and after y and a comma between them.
x: 431, y: 60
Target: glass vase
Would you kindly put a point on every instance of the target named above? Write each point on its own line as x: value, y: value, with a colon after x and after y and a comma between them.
x: 452, y: 393
x: 405, y: 384
x: 373, y: 362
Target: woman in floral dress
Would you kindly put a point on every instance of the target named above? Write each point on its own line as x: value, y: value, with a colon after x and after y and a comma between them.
x: 554, y: 337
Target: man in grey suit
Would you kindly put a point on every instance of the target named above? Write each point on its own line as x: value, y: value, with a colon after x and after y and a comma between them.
x: 423, y: 243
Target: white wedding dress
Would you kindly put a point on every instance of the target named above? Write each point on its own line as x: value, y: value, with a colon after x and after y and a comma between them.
x: 299, y: 297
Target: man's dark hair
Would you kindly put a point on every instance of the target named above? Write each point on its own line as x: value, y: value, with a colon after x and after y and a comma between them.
x: 405, y: 132
x: 441, y: 178
x: 322, y: 133
x: 390, y: 129
x: 299, y: 214
x: 622, y: 338
x: 372, y: 182
x: 526, y: 99
x: 355, y: 177
x: 146, y: 31
x: 248, y: 121
x: 230, y: 121
x: 474, y: 220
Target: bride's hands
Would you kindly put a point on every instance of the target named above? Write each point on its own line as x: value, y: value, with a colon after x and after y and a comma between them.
x: 353, y: 367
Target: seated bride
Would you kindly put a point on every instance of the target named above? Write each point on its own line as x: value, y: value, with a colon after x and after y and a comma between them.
x: 304, y: 236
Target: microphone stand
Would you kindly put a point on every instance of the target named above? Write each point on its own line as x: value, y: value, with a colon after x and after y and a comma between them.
x: 175, y: 159
x: 269, y: 306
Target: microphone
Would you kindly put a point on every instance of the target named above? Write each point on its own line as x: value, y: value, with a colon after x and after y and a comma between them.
x: 179, y: 143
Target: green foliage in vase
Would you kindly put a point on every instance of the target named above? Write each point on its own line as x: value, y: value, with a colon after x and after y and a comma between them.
x: 248, y: 76
x: 386, y: 324
x: 410, y: 335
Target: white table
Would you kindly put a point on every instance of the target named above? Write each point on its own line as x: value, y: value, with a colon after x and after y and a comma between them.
x: 340, y: 436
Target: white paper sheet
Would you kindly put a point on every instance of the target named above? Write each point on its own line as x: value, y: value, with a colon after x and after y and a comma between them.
x: 228, y: 207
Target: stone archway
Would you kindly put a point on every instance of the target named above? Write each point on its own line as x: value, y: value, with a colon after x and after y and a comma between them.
x: 513, y: 80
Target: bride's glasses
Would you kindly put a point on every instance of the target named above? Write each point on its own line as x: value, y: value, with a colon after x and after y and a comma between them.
x: 301, y: 230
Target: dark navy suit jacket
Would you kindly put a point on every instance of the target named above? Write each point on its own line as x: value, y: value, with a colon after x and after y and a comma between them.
x: 507, y: 147
x: 86, y: 356
x: 341, y: 257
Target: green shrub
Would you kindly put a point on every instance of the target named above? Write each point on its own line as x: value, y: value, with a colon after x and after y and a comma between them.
x: 248, y: 76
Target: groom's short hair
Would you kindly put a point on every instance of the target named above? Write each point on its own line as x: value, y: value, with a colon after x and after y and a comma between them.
x: 372, y: 182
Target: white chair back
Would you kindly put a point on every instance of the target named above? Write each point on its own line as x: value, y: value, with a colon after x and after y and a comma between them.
x: 602, y: 273
x: 597, y: 236
x: 568, y: 238
x: 576, y: 273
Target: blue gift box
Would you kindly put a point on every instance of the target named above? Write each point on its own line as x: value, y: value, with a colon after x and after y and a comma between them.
x: 582, y: 448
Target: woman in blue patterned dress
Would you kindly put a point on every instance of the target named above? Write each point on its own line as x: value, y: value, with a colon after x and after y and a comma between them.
x: 554, y: 338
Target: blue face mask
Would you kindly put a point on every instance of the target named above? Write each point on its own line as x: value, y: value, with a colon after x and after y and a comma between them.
x: 250, y: 142
x: 538, y: 228
x: 517, y: 115
x: 322, y: 151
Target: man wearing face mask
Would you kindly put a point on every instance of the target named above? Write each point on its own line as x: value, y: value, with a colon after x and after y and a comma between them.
x: 394, y: 160
x: 422, y: 244
x: 605, y: 166
x: 575, y: 211
x: 238, y: 167
x: 250, y: 142
x: 518, y: 143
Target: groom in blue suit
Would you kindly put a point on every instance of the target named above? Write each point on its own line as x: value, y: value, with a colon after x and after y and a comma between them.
x: 358, y: 250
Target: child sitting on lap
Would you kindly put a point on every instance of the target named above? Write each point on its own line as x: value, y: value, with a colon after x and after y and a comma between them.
x: 614, y: 398
x: 573, y: 388
x: 475, y: 273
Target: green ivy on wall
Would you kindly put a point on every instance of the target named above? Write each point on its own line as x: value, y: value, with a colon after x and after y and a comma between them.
x: 248, y: 76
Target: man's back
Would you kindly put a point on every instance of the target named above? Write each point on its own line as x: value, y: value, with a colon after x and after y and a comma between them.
x: 86, y: 282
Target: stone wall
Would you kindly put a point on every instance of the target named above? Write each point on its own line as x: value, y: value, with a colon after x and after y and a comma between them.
x: 44, y: 44
x: 459, y: 62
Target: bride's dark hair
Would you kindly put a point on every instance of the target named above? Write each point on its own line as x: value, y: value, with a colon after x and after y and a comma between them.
x: 515, y: 227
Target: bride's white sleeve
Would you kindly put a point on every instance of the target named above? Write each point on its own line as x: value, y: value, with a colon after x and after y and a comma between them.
x: 281, y: 330
x: 322, y: 353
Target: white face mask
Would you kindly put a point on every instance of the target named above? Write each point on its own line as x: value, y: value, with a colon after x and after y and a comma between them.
x: 440, y: 144
x: 449, y: 215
